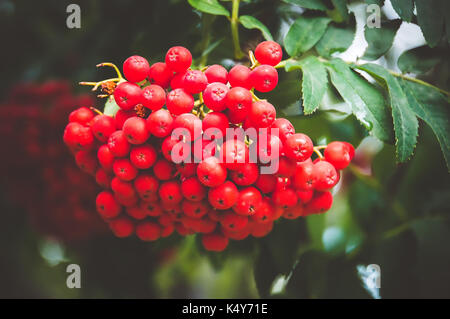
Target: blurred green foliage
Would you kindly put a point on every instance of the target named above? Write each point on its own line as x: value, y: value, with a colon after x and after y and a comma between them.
x: 396, y: 216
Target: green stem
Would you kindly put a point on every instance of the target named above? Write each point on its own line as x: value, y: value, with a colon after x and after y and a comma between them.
x: 407, y: 78
x: 238, y: 54
x: 207, y: 20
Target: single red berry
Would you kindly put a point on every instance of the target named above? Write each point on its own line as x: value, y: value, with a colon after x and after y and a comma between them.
x: 122, y: 188
x: 264, y: 78
x: 214, y: 242
x: 124, y: 170
x: 293, y: 212
x: 86, y: 161
x: 148, y: 231
x: 121, y: 116
x: 216, y: 73
x: 160, y: 123
x: 304, y: 178
x: 339, y: 154
x: 223, y: 196
x: 248, y: 201
x: 188, y: 126
x: 239, y: 75
x: 136, y: 212
x: 136, y: 68
x: 127, y: 95
x: 160, y: 74
x: 78, y: 137
x: 82, y: 115
x: 152, y: 209
x: 211, y: 172
x: 265, y: 212
x: 177, y: 81
x: 239, y: 102
x: 122, y: 227
x: 186, y: 169
x: 143, y: 156
x: 245, y: 175
x: 266, y: 183
x: 268, y: 52
x: 233, y: 222
x: 118, y: 144
x: 325, y: 175
x: 285, y: 128
x: 102, y: 127
x: 298, y: 147
x: 170, y: 192
x: 213, y: 123
x: 194, y: 81
x: 286, y: 167
x: 320, y: 203
x: 145, y: 185
x: 305, y: 196
x: 285, y: 198
x: 262, y: 114
x: 135, y: 130
x: 234, y: 154
x: 163, y: 169
x: 196, y: 209
x: 270, y: 148
x: 178, y: 59
x: 179, y: 101
x: 192, y: 189
x: 153, y: 97
x: 106, y: 204
x: 214, y: 96
x: 105, y: 157
x: 103, y: 178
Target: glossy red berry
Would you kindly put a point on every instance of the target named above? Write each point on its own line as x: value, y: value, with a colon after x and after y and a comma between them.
x: 124, y: 170
x: 211, y: 172
x: 213, y: 123
x: 248, y: 201
x: 239, y: 75
x: 102, y: 127
x: 188, y: 125
x: 325, y: 175
x: 239, y: 102
x: 298, y: 147
x: 136, y: 68
x: 264, y: 78
x: 163, y: 169
x: 214, y: 96
x: 234, y: 153
x: 216, y: 73
x: 122, y: 188
x: 223, y: 196
x: 160, y: 123
x: 103, y: 178
x: 320, y: 203
x: 136, y: 212
x: 106, y: 204
x: 178, y: 59
x: 195, y: 209
x: 160, y: 74
x: 304, y: 178
x: 285, y: 128
x: 268, y: 52
x: 170, y: 192
x: 285, y: 197
x: 339, y: 154
x: 233, y: 222
x: 153, y: 97
x: 265, y: 212
x: 214, y: 242
x: 135, y: 130
x: 192, y: 189
x: 179, y: 101
x: 86, y: 161
x: 78, y: 137
x: 194, y: 81
x: 266, y: 183
x: 245, y: 175
x: 118, y: 144
x: 122, y: 227
x: 127, y: 95
x: 121, y: 116
x: 143, y: 156
x: 148, y: 231
x: 146, y: 185
x: 82, y: 115
x: 262, y: 114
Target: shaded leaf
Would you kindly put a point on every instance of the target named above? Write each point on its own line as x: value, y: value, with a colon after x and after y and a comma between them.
x: 304, y: 34
x: 431, y: 106
x: 404, y: 9
x: 430, y: 18
x: 250, y: 22
x: 209, y: 6
x: 264, y: 272
x: 405, y: 122
x: 337, y: 38
x: 111, y: 107
x: 419, y: 60
x: 380, y: 39
x: 368, y: 104
x: 309, y: 4
x: 341, y: 8
x: 314, y: 81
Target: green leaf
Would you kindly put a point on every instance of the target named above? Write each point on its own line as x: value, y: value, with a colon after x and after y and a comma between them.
x: 304, y: 34
x: 430, y: 16
x: 404, y: 9
x: 432, y: 107
x: 341, y: 8
x: 314, y: 81
x: 250, y: 22
x: 368, y: 104
x: 309, y: 4
x: 377, y: 2
x: 380, y: 39
x: 209, y: 6
x: 419, y: 60
x: 337, y: 38
x: 405, y: 122
x: 111, y: 107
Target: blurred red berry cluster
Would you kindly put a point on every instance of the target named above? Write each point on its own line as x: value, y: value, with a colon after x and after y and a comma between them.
x: 39, y: 175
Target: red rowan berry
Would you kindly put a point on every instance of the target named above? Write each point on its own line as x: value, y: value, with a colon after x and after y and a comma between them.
x: 106, y: 204
x: 127, y: 95
x: 248, y: 201
x: 339, y: 154
x: 214, y: 242
x: 153, y: 97
x: 268, y: 52
x: 239, y: 75
x: 102, y: 127
x: 160, y: 74
x: 179, y: 101
x: 118, y: 144
x: 170, y: 192
x: 163, y: 169
x: 223, y: 196
x: 122, y: 227
x: 135, y: 130
x: 216, y: 73
x: 178, y: 59
x: 214, y: 96
x: 148, y: 231
x: 298, y: 147
x: 211, y: 172
x: 194, y: 81
x: 124, y: 170
x: 136, y: 68
x: 160, y: 123
x: 262, y: 114
x: 82, y: 115
x: 143, y: 156
x: 192, y: 189
x: 264, y: 78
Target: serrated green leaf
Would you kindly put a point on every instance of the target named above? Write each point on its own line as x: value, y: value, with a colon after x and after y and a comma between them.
x: 314, y: 81
x: 250, y: 22
x: 209, y: 6
x: 405, y: 122
x: 368, y: 104
x: 304, y: 34
x: 404, y: 9
x: 111, y: 107
x: 432, y: 107
x: 309, y: 4
x: 430, y: 18
x: 337, y: 38
x: 420, y: 60
x: 380, y: 39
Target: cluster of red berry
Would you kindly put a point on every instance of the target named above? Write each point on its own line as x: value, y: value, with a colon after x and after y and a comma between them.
x: 38, y: 173
x: 155, y: 184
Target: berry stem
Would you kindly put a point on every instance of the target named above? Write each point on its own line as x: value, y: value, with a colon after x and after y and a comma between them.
x: 238, y: 54
x: 253, y: 60
x: 96, y: 110
x: 255, y: 98
x: 97, y: 84
x: 119, y: 75
x: 317, y: 150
